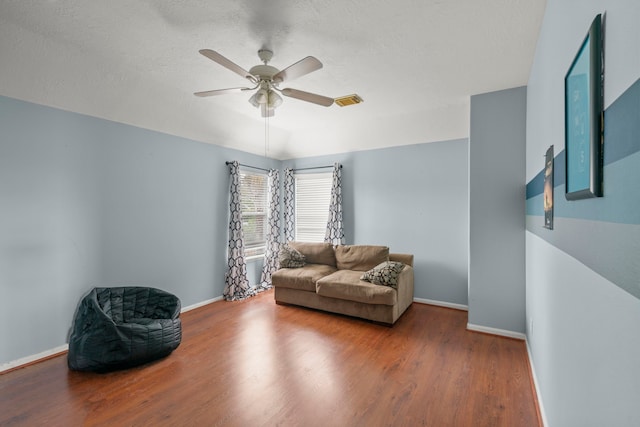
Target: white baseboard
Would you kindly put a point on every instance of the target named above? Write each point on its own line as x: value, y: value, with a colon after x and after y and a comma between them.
x: 33, y: 358
x: 63, y: 348
x: 200, y: 304
x: 442, y: 304
x: 495, y: 331
x: 537, y: 387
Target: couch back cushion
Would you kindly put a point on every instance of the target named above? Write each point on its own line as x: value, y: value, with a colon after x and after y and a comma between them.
x: 360, y: 257
x: 316, y: 253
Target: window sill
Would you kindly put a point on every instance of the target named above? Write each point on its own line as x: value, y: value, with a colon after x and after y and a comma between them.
x: 254, y: 258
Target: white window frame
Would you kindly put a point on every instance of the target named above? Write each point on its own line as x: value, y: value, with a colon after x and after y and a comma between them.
x: 312, y: 200
x: 254, y: 249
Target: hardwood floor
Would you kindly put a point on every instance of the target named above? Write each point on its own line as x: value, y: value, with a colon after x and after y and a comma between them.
x: 255, y: 363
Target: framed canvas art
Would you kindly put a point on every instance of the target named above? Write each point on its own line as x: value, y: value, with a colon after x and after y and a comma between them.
x: 547, y: 192
x: 583, y: 87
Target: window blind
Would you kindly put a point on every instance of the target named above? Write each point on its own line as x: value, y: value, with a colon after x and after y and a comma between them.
x: 253, y: 196
x: 312, y: 198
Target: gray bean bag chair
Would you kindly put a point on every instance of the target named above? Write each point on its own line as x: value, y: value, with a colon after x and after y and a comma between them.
x: 116, y: 328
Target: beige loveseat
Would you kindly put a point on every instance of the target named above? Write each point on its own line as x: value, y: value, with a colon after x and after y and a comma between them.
x: 330, y: 281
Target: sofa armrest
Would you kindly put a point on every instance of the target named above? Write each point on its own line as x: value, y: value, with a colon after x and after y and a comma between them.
x: 405, y: 288
x: 403, y: 258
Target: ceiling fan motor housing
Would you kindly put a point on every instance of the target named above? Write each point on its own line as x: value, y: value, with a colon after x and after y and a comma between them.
x: 264, y: 72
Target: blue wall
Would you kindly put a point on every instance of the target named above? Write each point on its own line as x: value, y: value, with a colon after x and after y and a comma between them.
x: 496, y: 211
x: 413, y: 199
x: 582, y: 298
x: 87, y: 202
x: 608, y: 226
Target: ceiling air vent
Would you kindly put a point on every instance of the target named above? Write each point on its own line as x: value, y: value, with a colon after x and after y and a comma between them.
x: 348, y: 100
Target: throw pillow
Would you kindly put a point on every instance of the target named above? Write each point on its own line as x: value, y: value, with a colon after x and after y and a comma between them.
x: 290, y: 258
x: 385, y: 273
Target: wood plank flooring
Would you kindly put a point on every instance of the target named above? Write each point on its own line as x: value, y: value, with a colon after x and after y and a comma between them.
x: 255, y: 363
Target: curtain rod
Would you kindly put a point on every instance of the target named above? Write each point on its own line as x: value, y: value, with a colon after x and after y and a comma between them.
x: 299, y: 169
x: 316, y: 167
x: 249, y: 166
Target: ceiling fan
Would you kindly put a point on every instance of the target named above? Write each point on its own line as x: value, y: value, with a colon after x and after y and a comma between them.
x: 266, y: 80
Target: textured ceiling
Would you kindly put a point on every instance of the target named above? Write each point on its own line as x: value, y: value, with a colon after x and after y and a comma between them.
x: 415, y: 63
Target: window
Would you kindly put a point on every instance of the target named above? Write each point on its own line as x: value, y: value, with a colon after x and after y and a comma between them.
x: 253, y: 196
x: 312, y: 199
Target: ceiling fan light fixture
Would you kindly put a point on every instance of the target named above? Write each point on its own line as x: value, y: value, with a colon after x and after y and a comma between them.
x: 267, y: 111
x: 262, y: 96
x: 275, y: 100
x: 254, y: 101
x: 344, y: 101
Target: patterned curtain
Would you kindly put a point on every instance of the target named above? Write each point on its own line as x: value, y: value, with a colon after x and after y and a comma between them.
x: 289, y: 200
x: 335, y: 228
x: 236, y: 284
x: 273, y: 231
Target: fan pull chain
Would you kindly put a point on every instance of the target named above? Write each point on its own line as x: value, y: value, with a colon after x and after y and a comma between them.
x: 266, y: 135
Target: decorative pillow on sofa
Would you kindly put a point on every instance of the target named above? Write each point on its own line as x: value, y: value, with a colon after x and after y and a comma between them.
x: 385, y: 274
x: 290, y: 258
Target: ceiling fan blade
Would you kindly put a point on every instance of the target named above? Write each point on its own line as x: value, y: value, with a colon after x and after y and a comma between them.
x: 325, y: 101
x: 221, y: 91
x: 304, y: 66
x: 216, y: 57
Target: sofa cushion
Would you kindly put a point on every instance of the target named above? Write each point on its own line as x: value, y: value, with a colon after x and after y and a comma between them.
x: 304, y: 278
x: 385, y: 273
x: 289, y: 257
x: 360, y: 257
x: 316, y: 253
x: 346, y: 284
